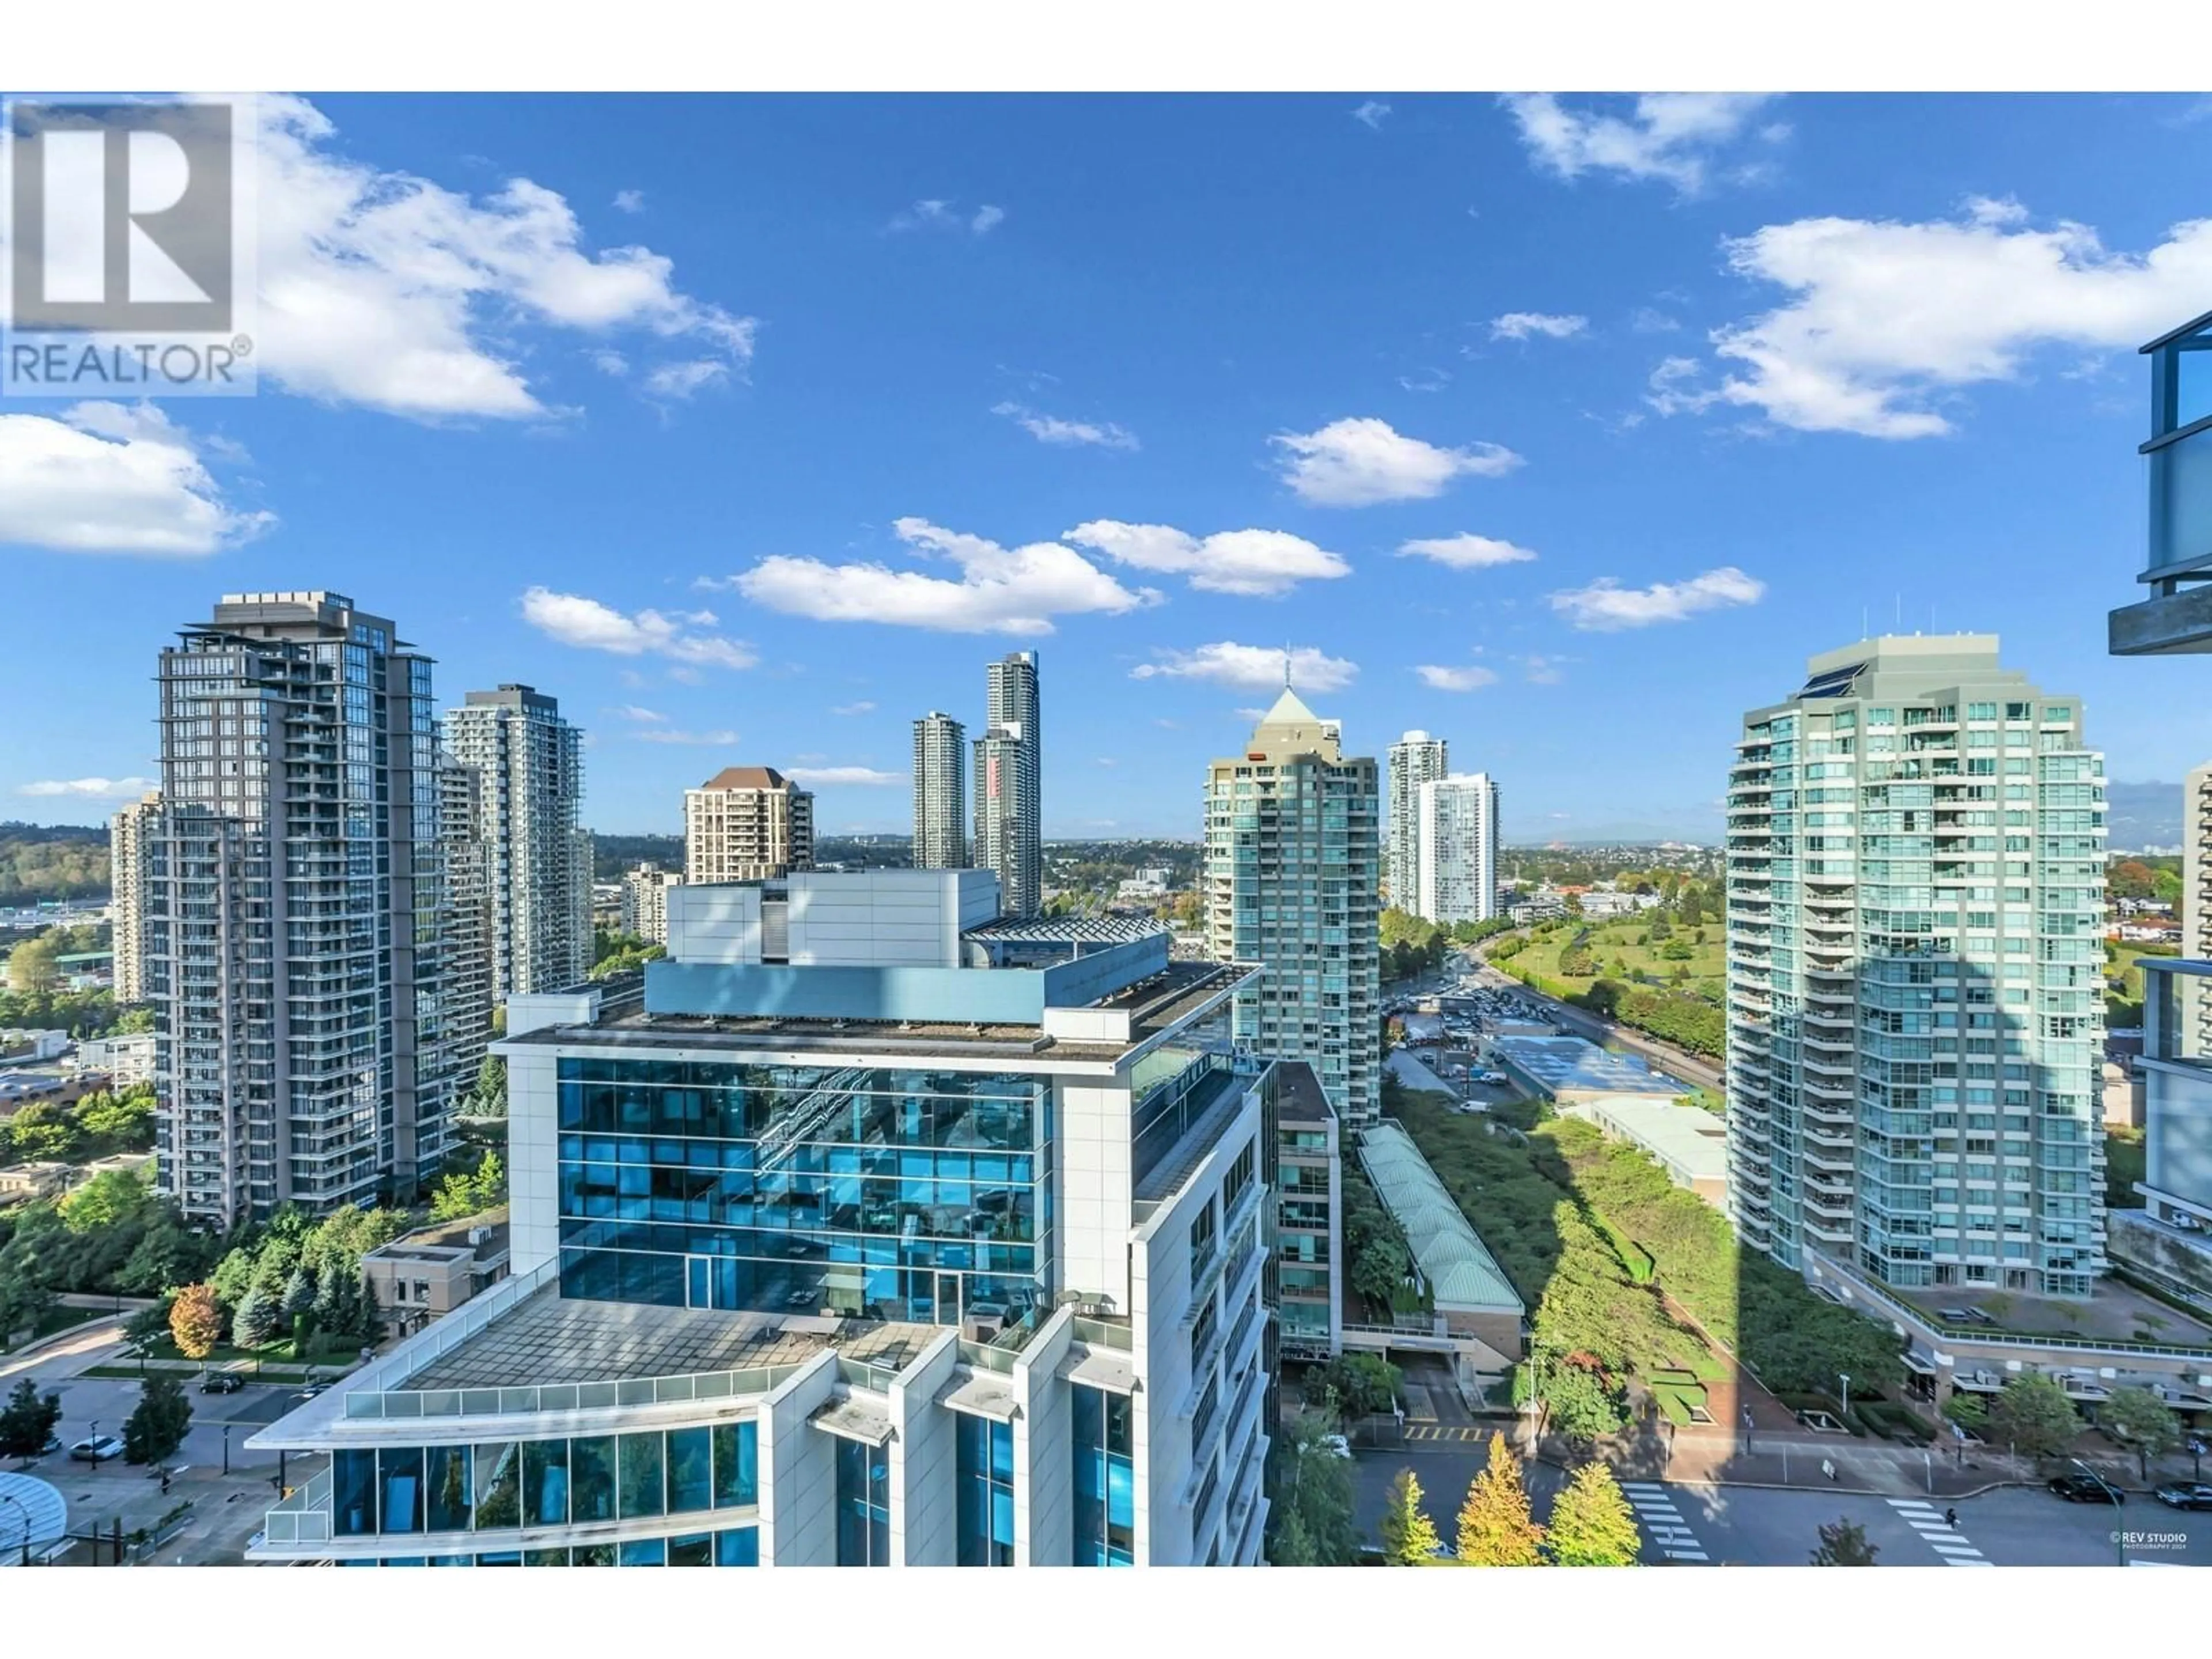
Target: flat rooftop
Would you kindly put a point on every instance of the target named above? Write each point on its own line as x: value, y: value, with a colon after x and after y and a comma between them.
x: 1299, y: 1097
x: 1688, y: 1136
x: 1155, y: 1004
x: 549, y: 1339
x: 1557, y: 1063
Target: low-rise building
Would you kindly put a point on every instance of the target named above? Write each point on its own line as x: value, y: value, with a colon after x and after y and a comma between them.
x: 21, y: 1182
x: 1690, y: 1144
x: 1567, y: 1069
x: 21, y: 1046
x: 1475, y: 1303
x: 129, y: 1060
x: 883, y: 1232
x: 433, y: 1270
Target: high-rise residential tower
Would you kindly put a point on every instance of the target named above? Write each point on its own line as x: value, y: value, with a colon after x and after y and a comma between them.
x: 1292, y: 840
x: 294, y: 910
x: 1916, y: 881
x: 1009, y: 839
x: 1414, y: 759
x: 1454, y: 849
x: 539, y: 860
x: 941, y: 793
x: 645, y: 901
x: 126, y: 908
x: 747, y: 823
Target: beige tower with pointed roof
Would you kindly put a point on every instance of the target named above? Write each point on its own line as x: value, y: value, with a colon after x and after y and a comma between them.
x: 1293, y: 843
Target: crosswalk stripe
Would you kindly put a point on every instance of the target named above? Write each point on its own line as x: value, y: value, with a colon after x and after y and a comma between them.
x: 1688, y: 1555
x: 1959, y: 1546
x: 1641, y: 1485
x: 1961, y: 1561
x: 1910, y: 1503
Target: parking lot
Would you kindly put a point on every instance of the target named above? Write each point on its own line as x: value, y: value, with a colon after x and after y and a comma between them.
x: 1442, y: 1049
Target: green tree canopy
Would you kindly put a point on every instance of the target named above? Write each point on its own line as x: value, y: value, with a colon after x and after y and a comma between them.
x: 1495, y: 1526
x: 1844, y: 1544
x: 2144, y: 1421
x: 1592, y: 1525
x: 156, y: 1428
x: 2033, y: 1415
x: 1409, y: 1537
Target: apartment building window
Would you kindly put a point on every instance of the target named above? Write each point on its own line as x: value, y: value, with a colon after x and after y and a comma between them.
x: 864, y: 1515
x: 986, y: 1478
x: 1105, y: 1480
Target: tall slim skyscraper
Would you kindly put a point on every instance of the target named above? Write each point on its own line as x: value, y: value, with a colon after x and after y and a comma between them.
x: 295, y: 900
x: 1292, y: 840
x: 941, y: 793
x: 2196, y: 1000
x: 1916, y: 879
x: 1455, y: 849
x: 539, y: 860
x: 747, y: 823
x: 1414, y: 759
x: 455, y: 1028
x: 1009, y: 839
x: 126, y: 905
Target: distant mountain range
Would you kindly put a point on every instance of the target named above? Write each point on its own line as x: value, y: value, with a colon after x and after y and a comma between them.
x: 2140, y: 815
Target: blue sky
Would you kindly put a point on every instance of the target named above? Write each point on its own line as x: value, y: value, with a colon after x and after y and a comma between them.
x: 751, y: 428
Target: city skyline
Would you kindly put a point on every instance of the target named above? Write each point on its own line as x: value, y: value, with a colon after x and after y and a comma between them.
x: 1164, y: 491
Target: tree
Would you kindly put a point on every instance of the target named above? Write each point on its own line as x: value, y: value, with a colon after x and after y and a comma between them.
x: 1578, y: 1404
x: 298, y: 1293
x: 1409, y: 1537
x: 110, y: 1197
x: 1292, y: 1546
x: 490, y: 1099
x: 148, y: 1325
x: 195, y: 1321
x: 255, y: 1322
x: 24, y: 1301
x: 32, y: 969
x: 2033, y: 1415
x: 368, y: 1316
x: 1968, y: 1411
x: 2144, y: 1421
x: 1844, y: 1544
x: 1317, y: 1494
x: 157, y: 1427
x: 1592, y: 1525
x: 1362, y: 1383
x: 27, y: 1420
x: 1495, y: 1528
x: 1380, y: 1269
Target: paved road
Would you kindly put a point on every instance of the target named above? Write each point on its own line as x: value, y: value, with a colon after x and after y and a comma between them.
x: 1687, y: 1525
x: 227, y: 1508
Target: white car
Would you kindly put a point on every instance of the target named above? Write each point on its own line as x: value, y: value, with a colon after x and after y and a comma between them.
x: 1337, y: 1445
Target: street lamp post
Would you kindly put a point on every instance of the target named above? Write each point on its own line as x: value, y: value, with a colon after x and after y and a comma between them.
x: 1845, y: 1377
x: 2119, y: 1534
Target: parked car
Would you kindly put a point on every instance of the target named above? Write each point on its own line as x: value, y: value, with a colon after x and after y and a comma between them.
x: 1337, y: 1444
x: 100, y: 1449
x: 221, y: 1382
x: 2183, y: 1495
x: 2082, y: 1488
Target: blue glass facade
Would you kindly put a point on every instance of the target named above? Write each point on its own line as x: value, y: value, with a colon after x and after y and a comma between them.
x: 544, y: 1483
x: 864, y: 1504
x: 1105, y: 1479
x: 732, y: 1546
x: 985, y: 1474
x: 911, y: 1194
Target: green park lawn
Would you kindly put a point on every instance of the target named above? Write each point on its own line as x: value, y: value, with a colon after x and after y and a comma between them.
x: 1616, y: 941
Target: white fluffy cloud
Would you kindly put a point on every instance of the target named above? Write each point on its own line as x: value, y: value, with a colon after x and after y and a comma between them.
x: 863, y: 707
x: 1052, y: 429
x: 573, y: 619
x: 89, y: 788
x: 1605, y: 607
x: 1371, y: 114
x: 1520, y: 325
x: 1251, y: 668
x: 1465, y: 552
x: 1471, y: 677
x: 1671, y: 136
x: 387, y: 290
x: 1887, y: 321
x: 997, y: 590
x: 1253, y: 562
x: 832, y: 776
x: 936, y: 214
x: 682, y: 380
x: 101, y: 477
x: 630, y: 711
x: 1360, y: 461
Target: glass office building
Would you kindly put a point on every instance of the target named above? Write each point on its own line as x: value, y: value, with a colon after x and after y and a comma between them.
x: 1916, y: 882
x: 925, y: 1238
